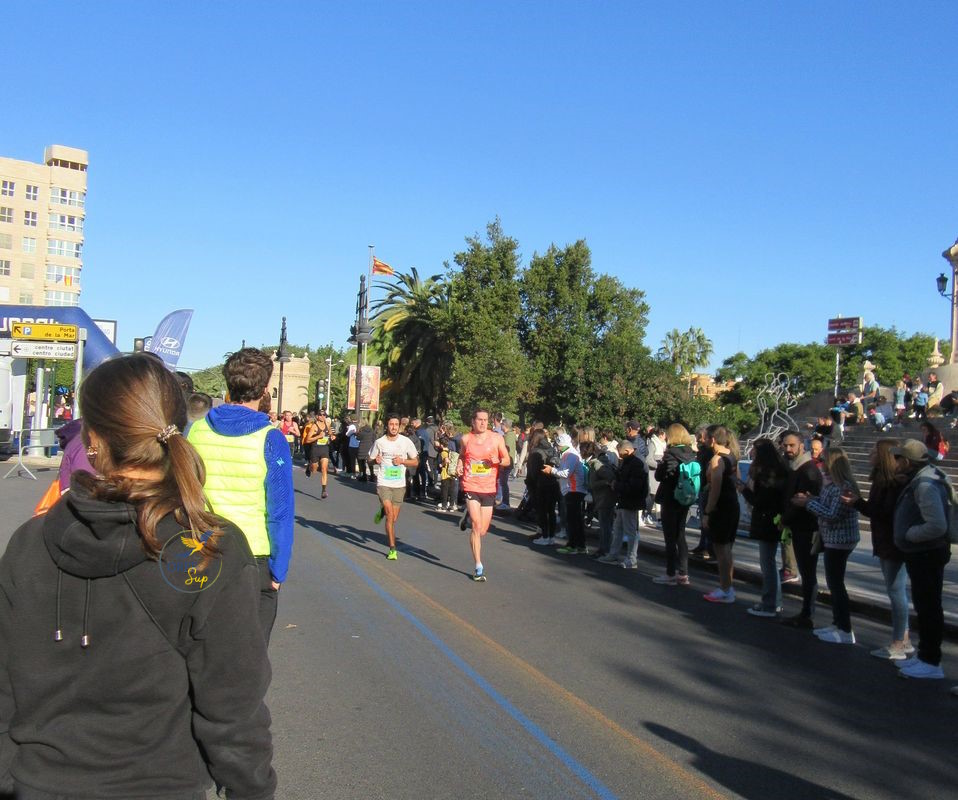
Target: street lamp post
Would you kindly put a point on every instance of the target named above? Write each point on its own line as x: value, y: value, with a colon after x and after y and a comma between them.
x: 329, y: 377
x: 282, y: 355
x: 361, y: 336
x: 951, y: 256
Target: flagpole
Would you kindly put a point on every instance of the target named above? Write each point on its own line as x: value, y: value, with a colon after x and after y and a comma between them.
x: 372, y: 258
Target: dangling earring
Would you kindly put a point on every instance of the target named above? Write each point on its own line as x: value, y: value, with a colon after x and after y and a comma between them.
x: 92, y: 452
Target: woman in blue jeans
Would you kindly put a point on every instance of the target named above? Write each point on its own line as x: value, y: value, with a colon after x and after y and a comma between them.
x: 765, y: 493
x: 887, y: 483
x: 838, y: 526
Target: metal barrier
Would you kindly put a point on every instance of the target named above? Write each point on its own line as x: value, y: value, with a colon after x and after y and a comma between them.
x: 36, y: 439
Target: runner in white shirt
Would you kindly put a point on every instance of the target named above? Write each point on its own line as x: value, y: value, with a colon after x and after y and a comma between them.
x: 393, y: 455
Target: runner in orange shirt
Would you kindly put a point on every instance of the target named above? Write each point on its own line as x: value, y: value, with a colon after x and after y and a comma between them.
x: 483, y: 452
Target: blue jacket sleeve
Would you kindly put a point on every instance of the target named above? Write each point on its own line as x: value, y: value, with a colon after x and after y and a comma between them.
x: 279, y: 503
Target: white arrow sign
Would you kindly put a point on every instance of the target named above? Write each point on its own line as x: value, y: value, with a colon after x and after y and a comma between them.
x: 63, y: 351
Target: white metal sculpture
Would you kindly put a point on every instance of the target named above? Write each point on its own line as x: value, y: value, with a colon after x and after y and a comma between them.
x: 774, y: 402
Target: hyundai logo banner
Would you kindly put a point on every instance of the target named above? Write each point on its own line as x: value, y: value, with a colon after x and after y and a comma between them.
x: 167, y: 341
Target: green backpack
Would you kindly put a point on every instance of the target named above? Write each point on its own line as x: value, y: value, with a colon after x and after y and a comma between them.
x: 689, y: 483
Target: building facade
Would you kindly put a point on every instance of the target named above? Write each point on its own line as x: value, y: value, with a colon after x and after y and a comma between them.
x: 42, y: 211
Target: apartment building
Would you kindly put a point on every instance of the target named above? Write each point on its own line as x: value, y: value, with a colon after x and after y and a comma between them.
x: 41, y: 228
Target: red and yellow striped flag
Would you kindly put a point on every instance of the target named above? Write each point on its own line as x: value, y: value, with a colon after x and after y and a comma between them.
x: 382, y: 268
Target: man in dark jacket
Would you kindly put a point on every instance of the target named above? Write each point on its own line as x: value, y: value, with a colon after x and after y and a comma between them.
x: 631, y: 487
x: 804, y: 477
x: 921, y: 533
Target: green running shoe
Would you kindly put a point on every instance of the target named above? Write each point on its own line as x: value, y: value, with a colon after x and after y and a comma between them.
x: 379, y: 515
x: 393, y: 555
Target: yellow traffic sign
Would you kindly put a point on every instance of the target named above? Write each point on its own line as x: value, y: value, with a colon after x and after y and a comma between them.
x: 44, y: 331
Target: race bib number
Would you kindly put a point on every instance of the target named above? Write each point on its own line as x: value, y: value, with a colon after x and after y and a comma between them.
x: 392, y: 472
x: 478, y: 468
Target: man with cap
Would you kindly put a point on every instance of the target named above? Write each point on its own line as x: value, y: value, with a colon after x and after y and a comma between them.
x: 921, y: 532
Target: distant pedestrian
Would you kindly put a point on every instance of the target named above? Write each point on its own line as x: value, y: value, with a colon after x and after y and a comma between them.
x: 721, y: 513
x: 921, y: 533
x: 838, y: 527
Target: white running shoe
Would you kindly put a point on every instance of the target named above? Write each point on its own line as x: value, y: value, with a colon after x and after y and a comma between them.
x: 720, y: 596
x: 838, y: 636
x: 544, y: 540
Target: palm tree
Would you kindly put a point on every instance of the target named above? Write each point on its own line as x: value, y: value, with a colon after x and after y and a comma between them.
x: 686, y: 351
x: 699, y: 351
x: 415, y: 322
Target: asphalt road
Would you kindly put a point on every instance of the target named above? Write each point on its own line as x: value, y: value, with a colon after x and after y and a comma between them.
x: 562, y: 678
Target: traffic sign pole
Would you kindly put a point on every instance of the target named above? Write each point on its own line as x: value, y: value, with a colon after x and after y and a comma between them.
x: 78, y: 372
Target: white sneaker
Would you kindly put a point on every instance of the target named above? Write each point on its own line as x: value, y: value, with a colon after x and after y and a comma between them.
x: 627, y: 564
x: 665, y: 580
x: 838, y: 636
x: 890, y: 653
x: 608, y: 559
x: 758, y: 610
x: 720, y: 596
x: 922, y: 670
x: 544, y: 540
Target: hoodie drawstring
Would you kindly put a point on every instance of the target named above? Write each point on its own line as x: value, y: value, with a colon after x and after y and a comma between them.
x: 58, y: 633
x: 85, y: 638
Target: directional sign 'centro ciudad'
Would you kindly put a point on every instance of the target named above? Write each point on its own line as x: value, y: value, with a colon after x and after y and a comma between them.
x: 61, y: 351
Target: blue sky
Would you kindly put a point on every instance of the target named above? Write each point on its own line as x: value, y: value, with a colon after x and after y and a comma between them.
x: 753, y: 167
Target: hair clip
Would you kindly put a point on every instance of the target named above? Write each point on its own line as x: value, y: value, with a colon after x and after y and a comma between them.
x: 164, y: 435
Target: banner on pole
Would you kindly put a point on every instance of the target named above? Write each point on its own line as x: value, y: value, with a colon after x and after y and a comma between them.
x: 167, y: 341
x: 370, y: 390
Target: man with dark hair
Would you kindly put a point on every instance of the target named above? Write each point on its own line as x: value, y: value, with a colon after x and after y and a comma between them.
x: 804, y: 478
x: 197, y: 406
x: 249, y: 472
x: 393, y: 454
x: 185, y: 382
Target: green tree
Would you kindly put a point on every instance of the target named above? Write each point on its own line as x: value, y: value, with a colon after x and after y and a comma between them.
x: 489, y: 367
x: 891, y: 351
x: 414, y: 325
x: 555, y: 329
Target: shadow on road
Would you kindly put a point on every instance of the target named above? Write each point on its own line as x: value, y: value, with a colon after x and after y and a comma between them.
x: 374, y: 542
x: 746, y: 778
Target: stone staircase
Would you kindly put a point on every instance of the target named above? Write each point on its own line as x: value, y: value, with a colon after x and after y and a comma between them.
x: 860, y: 440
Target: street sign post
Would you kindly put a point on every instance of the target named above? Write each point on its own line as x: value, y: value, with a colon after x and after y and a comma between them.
x: 58, y: 351
x: 843, y: 332
x: 44, y: 331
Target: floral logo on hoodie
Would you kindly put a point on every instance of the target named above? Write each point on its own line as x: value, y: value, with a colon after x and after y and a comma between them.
x: 183, y: 565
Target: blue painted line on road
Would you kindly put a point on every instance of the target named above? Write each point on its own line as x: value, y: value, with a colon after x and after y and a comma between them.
x: 577, y: 769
